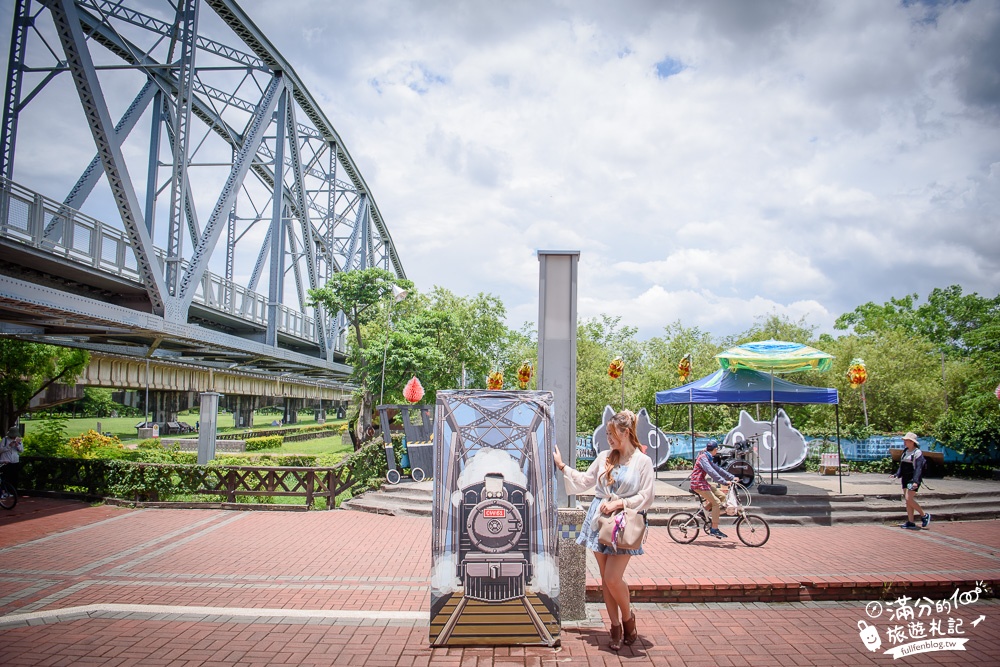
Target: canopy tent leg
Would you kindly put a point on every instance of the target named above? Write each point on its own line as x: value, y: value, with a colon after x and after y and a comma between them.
x: 656, y: 418
x: 691, y: 425
x: 774, y: 427
x: 840, y: 454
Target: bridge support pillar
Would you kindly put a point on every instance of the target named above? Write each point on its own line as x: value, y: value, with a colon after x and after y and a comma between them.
x: 164, y: 406
x: 243, y: 411
x: 209, y: 412
x: 292, y: 410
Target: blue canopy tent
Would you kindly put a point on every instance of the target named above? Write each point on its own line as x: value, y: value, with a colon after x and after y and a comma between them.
x: 747, y: 386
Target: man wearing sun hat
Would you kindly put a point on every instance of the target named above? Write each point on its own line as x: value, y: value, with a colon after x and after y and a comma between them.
x: 911, y: 472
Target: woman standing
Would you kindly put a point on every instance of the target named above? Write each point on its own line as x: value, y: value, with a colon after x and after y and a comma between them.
x: 911, y: 472
x: 623, y: 476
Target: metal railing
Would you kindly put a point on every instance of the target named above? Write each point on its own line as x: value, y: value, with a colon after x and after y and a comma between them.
x: 34, y: 220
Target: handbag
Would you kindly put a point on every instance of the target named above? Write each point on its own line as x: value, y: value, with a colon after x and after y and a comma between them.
x: 622, y: 530
x: 732, y: 502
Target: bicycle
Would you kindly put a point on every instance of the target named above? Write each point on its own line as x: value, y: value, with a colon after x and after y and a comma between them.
x: 752, y: 529
x: 8, y: 494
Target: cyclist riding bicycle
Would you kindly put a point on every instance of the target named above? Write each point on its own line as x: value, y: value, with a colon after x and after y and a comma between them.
x: 705, y: 467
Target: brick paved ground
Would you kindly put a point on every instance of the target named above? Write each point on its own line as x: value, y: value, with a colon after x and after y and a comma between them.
x: 108, y: 586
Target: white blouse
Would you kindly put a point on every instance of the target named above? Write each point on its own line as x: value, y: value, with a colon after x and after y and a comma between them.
x: 635, y: 485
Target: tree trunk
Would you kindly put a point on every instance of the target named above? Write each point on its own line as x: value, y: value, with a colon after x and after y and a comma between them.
x: 8, y: 414
x: 364, y: 422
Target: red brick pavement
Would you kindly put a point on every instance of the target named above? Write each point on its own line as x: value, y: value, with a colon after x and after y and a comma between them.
x: 342, y: 562
x: 807, y: 634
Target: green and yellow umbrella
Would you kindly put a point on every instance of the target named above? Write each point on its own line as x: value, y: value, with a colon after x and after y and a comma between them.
x: 775, y: 356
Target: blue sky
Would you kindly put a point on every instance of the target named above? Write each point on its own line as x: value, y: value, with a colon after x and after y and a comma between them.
x: 713, y: 162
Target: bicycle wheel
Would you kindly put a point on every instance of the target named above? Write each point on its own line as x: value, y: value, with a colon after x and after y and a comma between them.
x: 682, y: 527
x: 8, y: 496
x: 752, y: 530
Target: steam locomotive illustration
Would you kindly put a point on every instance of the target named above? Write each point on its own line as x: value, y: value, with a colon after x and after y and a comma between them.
x: 495, y: 547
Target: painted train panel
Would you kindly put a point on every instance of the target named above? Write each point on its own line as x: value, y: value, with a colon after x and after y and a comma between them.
x: 493, y: 546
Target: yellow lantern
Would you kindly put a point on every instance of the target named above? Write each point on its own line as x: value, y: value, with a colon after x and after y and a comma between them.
x: 495, y: 380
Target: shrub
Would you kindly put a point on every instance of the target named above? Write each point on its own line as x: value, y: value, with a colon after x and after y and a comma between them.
x: 279, y: 460
x: 267, y: 442
x: 47, y: 439
x: 93, y: 445
x: 151, y: 451
x: 885, y: 465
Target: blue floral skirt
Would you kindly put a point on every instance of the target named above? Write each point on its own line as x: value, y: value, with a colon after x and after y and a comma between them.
x: 588, y: 536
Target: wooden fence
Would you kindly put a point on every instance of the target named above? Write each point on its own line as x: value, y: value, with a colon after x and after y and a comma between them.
x: 155, y: 481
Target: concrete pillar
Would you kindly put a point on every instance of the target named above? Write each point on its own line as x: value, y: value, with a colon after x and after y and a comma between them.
x: 164, y: 406
x: 208, y: 418
x: 243, y: 411
x: 291, y: 410
x: 557, y: 350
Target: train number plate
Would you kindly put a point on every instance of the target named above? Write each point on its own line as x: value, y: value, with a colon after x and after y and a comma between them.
x: 495, y: 513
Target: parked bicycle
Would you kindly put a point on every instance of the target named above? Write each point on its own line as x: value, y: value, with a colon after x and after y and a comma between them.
x: 752, y: 529
x: 8, y: 494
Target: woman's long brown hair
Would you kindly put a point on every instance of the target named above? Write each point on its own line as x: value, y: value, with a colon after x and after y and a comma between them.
x: 623, y: 423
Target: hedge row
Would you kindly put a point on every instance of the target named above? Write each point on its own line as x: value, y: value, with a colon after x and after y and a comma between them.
x: 267, y: 442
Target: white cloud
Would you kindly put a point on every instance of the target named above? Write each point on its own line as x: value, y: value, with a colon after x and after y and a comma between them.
x: 800, y: 158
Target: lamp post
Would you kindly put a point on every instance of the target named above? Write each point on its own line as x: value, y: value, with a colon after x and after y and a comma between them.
x: 398, y: 294
x: 145, y: 421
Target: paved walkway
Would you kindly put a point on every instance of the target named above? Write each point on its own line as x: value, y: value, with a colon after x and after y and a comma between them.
x: 97, y: 585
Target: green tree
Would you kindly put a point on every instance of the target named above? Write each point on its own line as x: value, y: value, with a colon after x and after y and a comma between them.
x: 903, y: 391
x: 439, y: 336
x: 97, y: 401
x: 961, y: 338
x: 599, y: 341
x: 27, y: 369
x: 477, y: 340
x: 662, y: 354
x: 950, y: 318
x: 871, y: 319
x: 363, y: 297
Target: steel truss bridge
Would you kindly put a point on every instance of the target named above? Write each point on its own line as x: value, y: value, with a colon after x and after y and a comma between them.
x: 213, y: 195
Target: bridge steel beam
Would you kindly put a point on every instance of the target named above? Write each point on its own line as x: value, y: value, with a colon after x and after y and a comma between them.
x: 67, y: 21
x: 190, y: 341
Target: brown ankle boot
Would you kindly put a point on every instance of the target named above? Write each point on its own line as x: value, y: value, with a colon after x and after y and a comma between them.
x: 616, y: 638
x: 630, y: 632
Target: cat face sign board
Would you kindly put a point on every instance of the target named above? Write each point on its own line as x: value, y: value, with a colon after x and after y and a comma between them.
x: 656, y: 441
x: 791, y: 448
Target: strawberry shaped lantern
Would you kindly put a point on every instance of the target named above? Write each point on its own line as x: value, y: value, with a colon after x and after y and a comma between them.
x: 413, y: 391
